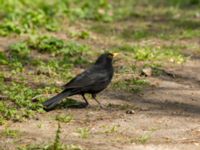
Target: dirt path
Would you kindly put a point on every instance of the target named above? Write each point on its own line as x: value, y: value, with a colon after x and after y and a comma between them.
x: 166, y: 116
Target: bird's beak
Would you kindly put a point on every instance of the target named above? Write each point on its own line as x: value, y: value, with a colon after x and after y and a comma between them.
x: 115, y: 54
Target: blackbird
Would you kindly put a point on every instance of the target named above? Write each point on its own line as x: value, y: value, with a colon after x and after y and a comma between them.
x: 91, y: 81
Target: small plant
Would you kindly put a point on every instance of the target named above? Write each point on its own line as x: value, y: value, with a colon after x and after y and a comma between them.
x: 84, y: 35
x: 112, y: 129
x: 2, y: 120
x: 19, y: 49
x: 83, y: 132
x: 47, y: 44
x: 143, y: 139
x: 9, y: 27
x: 57, y: 143
x: 10, y: 133
x: 3, y: 59
x: 81, y: 34
x: 64, y: 118
x: 18, y: 55
x: 70, y: 51
x: 20, y: 105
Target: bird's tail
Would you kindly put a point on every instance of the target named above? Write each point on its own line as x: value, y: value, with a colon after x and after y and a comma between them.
x: 52, y: 102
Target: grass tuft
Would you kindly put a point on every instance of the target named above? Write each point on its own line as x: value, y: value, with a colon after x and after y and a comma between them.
x: 84, y: 133
x: 64, y: 118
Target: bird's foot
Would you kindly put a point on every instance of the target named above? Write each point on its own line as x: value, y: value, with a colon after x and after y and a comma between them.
x: 84, y: 105
x: 102, y: 107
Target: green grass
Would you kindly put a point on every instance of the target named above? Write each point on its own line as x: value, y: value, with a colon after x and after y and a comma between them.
x: 143, y: 139
x: 2, y: 120
x: 10, y: 133
x: 54, y: 45
x: 111, y: 129
x: 20, y: 103
x: 68, y: 53
x: 18, y: 60
x: 154, y: 54
x: 84, y: 133
x: 64, y: 118
x: 47, y: 15
x: 80, y: 35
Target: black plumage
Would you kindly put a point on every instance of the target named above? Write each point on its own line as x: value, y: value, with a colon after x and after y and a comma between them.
x: 92, y: 81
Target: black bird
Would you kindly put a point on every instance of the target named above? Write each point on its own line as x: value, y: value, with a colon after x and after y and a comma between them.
x: 92, y: 81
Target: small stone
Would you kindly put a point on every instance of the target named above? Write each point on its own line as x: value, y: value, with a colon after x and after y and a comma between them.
x: 130, y: 112
x: 146, y: 72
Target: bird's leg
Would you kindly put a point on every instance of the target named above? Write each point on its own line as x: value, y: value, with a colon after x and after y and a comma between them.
x: 94, y: 97
x: 85, y: 99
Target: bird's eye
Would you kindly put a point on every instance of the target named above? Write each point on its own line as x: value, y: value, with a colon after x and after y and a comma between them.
x: 110, y: 56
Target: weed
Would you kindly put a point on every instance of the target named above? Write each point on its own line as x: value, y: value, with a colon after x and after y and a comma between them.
x: 27, y: 17
x: 2, y: 120
x: 19, y: 49
x: 3, y: 59
x: 20, y: 105
x: 9, y: 27
x: 84, y: 35
x: 190, y: 33
x: 64, y: 118
x: 143, y: 139
x: 81, y: 35
x: 47, y: 44
x: 57, y: 143
x: 18, y: 55
x: 40, y: 125
x: 70, y: 51
x: 30, y: 16
x: 73, y: 48
x: 112, y: 129
x: 170, y: 54
x: 10, y: 133
x: 83, y: 132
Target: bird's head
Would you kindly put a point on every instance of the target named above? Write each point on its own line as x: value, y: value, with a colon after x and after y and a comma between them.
x: 106, y: 58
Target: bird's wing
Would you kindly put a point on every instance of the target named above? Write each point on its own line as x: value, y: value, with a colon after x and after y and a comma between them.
x: 91, y: 76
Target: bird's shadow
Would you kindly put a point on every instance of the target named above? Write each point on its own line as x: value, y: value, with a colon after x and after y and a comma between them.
x: 71, y: 103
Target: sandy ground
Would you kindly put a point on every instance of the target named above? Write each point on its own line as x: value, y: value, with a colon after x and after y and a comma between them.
x: 165, y: 116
